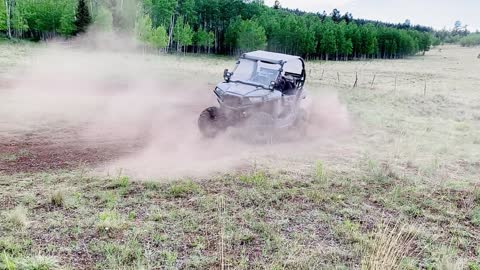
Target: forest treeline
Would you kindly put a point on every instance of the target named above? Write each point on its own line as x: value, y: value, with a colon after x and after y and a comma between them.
x: 217, y: 26
x: 470, y: 40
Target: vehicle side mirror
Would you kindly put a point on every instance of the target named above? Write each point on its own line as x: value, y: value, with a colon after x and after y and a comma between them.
x: 227, y: 75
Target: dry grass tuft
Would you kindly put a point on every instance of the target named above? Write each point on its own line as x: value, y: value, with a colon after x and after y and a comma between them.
x: 57, y: 198
x: 389, y: 246
x: 17, y: 217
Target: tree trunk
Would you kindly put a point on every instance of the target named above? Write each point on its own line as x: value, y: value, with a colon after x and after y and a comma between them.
x: 8, y: 13
x: 216, y: 40
x: 170, y: 31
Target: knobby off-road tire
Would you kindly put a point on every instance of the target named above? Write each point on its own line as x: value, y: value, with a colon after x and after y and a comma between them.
x: 260, y: 128
x: 212, y: 121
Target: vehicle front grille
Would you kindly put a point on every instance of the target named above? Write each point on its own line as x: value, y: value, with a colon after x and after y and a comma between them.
x: 232, y: 101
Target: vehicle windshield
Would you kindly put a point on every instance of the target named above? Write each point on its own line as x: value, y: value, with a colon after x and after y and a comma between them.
x: 256, y: 72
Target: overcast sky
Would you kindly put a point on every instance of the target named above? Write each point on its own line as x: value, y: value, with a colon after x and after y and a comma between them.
x: 435, y: 13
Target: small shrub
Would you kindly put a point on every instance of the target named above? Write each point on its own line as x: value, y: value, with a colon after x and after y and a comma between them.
x: 57, y: 199
x: 199, y: 243
x: 12, y: 157
x: 350, y: 231
x: 129, y: 255
x: 318, y: 196
x: 10, y: 246
x: 387, y: 248
x: 122, y: 182
x: 152, y: 185
x: 110, y: 198
x: 473, y: 266
x: 257, y: 178
x: 156, y: 214
x: 476, y: 195
x: 110, y: 222
x: 170, y: 258
x: 320, y: 174
x: 17, y: 217
x: 413, y: 211
x: 7, y: 262
x: 475, y: 216
x: 132, y: 215
x: 381, y: 174
x: 9, y: 157
x: 470, y: 40
x: 183, y: 189
x: 38, y: 263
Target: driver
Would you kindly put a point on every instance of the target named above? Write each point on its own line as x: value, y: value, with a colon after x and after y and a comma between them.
x: 286, y: 84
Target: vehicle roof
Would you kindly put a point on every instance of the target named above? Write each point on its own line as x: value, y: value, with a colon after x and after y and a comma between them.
x: 270, y: 56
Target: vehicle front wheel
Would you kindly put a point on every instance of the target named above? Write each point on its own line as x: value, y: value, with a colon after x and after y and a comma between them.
x: 212, y: 121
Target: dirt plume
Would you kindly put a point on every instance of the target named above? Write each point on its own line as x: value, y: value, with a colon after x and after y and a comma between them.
x: 137, y: 112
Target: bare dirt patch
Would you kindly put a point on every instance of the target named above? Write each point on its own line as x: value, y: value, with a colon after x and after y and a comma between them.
x: 61, y: 149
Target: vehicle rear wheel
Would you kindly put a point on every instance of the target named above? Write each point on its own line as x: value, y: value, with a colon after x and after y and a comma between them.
x: 260, y: 127
x: 212, y: 121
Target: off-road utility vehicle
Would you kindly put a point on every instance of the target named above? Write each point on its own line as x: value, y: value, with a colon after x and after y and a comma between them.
x: 261, y: 96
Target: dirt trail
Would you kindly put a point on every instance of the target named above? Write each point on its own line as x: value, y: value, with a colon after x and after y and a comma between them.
x: 119, y: 110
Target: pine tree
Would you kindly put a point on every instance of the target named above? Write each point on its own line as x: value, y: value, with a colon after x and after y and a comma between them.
x: 83, y: 18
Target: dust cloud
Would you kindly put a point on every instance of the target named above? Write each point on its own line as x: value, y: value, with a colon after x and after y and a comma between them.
x: 88, y: 93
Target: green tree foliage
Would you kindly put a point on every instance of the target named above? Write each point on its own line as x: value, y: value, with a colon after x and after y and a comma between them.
x: 182, y: 34
x: 470, y: 40
x: 231, y: 34
x: 143, y: 29
x: 204, y: 39
x: 328, y: 42
x: 159, y: 38
x: 161, y: 11
x: 251, y: 36
x: 44, y: 19
x: 67, y: 22
x: 83, y: 18
x: 187, y: 9
x: 103, y: 20
x: 156, y: 38
x: 3, y: 17
x: 226, y: 27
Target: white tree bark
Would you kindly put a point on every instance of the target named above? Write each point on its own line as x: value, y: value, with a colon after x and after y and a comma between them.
x: 170, y: 31
x: 8, y: 9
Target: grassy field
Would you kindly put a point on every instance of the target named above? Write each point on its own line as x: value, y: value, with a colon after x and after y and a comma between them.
x: 400, y: 189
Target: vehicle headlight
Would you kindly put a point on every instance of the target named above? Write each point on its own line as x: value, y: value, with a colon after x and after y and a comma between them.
x: 256, y: 99
x: 219, y: 91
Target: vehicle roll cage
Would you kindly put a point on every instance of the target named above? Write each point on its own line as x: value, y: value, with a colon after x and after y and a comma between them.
x: 300, y: 78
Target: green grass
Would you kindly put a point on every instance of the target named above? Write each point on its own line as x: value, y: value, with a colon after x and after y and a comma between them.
x: 12, y: 157
x: 411, y: 160
x: 277, y: 221
x: 183, y: 189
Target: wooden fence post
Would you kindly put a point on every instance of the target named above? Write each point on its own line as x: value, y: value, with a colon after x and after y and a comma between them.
x: 356, y: 79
